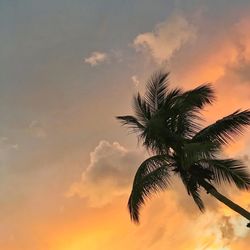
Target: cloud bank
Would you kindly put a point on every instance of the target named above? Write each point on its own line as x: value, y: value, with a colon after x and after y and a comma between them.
x: 109, y: 174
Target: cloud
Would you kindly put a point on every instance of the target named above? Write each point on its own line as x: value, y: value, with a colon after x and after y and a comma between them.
x: 109, y: 173
x: 240, y: 67
x: 167, y: 38
x: 135, y: 80
x: 239, y: 226
x: 96, y: 58
x: 225, y: 54
x: 6, y: 144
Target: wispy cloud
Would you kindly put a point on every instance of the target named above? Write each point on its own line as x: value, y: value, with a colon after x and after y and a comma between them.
x: 96, y: 58
x: 135, y: 80
x: 6, y: 144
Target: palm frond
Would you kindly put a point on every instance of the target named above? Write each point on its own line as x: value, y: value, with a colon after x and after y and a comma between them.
x: 229, y: 170
x: 153, y: 182
x: 169, y: 102
x: 160, y: 141
x: 168, y: 110
x: 188, y: 106
x: 197, y: 98
x: 191, y: 185
x: 225, y: 129
x: 156, y: 89
x: 195, y: 151
x: 151, y: 164
x: 151, y: 177
x: 197, y: 199
x: 141, y: 108
x: 131, y: 122
x: 182, y: 121
x: 188, y: 123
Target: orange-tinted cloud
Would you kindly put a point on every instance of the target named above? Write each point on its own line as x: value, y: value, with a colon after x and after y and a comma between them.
x: 109, y: 173
x: 167, y: 38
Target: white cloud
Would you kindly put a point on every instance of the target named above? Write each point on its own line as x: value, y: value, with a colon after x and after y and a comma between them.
x: 135, y: 80
x: 6, y: 144
x: 96, y: 58
x: 167, y: 38
x: 239, y: 226
x: 110, y: 173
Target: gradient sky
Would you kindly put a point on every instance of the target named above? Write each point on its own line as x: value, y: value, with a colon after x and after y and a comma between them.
x: 67, y: 68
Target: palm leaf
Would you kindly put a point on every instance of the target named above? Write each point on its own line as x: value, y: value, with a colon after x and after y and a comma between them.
x: 224, y: 129
x: 229, y: 170
x: 153, y: 182
x: 171, y: 98
x: 160, y: 141
x: 195, y: 151
x: 196, y: 98
x: 151, y: 164
x: 152, y: 176
x: 192, y: 190
x: 187, y: 124
x: 180, y: 121
x: 156, y: 89
x: 141, y: 108
x: 197, y: 199
x: 131, y: 122
x: 188, y: 106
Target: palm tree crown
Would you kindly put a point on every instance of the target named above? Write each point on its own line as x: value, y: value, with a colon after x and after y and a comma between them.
x: 168, y: 123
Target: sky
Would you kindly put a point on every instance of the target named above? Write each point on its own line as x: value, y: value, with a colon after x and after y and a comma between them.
x: 67, y: 68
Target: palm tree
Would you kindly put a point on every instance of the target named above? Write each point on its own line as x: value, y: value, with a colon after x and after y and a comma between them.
x: 168, y: 123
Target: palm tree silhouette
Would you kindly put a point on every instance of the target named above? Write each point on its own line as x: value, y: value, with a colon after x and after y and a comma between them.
x: 168, y: 123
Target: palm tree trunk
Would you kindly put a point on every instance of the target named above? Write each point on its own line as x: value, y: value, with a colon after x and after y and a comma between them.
x: 212, y: 190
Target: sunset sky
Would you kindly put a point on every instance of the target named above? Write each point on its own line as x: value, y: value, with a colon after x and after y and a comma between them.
x: 67, y: 68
